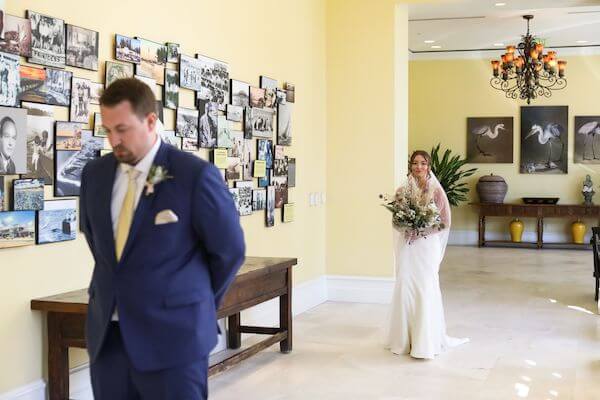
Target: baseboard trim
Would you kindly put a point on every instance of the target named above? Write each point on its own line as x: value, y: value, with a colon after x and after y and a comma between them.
x: 359, y: 289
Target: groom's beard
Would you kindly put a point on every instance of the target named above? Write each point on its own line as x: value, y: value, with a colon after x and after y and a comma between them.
x: 123, y: 155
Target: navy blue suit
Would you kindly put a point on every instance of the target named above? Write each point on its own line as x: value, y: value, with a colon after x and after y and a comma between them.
x: 171, y: 278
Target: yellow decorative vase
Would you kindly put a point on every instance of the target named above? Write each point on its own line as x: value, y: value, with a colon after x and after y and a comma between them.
x: 516, y: 230
x: 578, y: 231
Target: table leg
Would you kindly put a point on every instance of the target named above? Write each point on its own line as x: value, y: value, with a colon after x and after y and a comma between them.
x: 481, y: 231
x: 58, y: 360
x: 234, y: 335
x: 285, y: 315
x: 540, y: 232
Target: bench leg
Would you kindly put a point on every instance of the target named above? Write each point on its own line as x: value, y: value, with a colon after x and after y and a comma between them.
x: 58, y: 360
x: 234, y: 335
x: 285, y: 315
x: 597, y: 288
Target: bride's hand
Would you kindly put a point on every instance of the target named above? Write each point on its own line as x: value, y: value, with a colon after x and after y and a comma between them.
x: 410, y: 236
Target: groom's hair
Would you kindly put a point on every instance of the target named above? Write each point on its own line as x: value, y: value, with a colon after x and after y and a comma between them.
x: 136, y: 92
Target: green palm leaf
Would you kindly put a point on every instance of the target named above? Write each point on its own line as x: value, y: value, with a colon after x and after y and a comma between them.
x: 448, y: 171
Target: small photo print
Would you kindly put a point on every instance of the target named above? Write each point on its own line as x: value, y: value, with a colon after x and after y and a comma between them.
x: 57, y: 222
x: 28, y: 194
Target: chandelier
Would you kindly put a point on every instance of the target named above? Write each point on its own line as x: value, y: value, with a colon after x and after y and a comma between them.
x: 525, y: 72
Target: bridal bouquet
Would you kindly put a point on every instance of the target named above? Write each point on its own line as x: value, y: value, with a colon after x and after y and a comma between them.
x: 413, y: 210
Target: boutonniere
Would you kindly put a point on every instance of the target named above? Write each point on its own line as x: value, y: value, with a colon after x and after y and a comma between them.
x: 156, y: 175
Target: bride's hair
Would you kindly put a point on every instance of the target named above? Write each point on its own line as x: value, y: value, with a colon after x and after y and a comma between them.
x: 423, y: 154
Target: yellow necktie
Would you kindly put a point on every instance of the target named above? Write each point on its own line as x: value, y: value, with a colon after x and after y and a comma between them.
x: 126, y: 215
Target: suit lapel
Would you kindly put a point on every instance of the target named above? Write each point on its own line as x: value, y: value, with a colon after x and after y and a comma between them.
x: 105, y: 227
x: 145, y: 203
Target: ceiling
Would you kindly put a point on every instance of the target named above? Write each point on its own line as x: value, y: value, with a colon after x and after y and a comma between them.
x: 471, y: 25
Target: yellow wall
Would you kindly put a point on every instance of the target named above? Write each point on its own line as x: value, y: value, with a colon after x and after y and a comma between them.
x: 280, y: 39
x: 443, y: 93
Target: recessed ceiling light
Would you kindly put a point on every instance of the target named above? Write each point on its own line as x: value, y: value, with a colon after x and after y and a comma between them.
x: 429, y: 41
x: 500, y: 4
x: 436, y: 47
x: 582, y: 41
x: 499, y: 44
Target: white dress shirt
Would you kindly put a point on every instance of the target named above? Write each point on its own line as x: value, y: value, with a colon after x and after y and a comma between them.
x: 119, y: 189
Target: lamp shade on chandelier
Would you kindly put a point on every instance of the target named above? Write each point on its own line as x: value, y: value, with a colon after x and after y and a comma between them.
x: 525, y: 72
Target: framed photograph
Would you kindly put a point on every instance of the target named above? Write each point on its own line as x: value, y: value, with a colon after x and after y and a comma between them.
x: 215, y: 80
x: 234, y: 169
x: 32, y: 84
x: 237, y: 149
x: 150, y: 82
x: 257, y: 97
x: 260, y: 169
x: 248, y: 157
x: 81, y: 92
x: 261, y: 122
x: 3, y: 195
x: 40, y: 142
x: 490, y: 140
x: 13, y: 141
x: 104, y: 152
x: 544, y: 139
x: 69, y: 164
x: 169, y: 137
x: 171, y: 89
x: 189, y: 144
x: 10, y: 79
x: 117, y: 70
x: 587, y: 134
x: 291, y: 172
x: 245, y: 192
x: 281, y: 97
x: 267, y: 83
x: 219, y: 158
x: 96, y: 92
x: 235, y: 113
x: 6, y: 185
x: 209, y: 124
x: 172, y: 52
x: 280, y: 167
x: 265, y: 152
x: 281, y: 190
x: 57, y: 222
x: 259, y: 199
x: 290, y: 90
x: 69, y: 135
x: 187, y: 123
x: 240, y: 93
x: 224, y: 136
x: 58, y: 86
x: 47, y: 40
x: 265, y: 180
x: 16, y: 37
x: 288, y: 212
x: 98, y: 128
x: 160, y: 111
x: 82, y: 47
x: 270, y: 98
x: 153, y: 60
x: 28, y: 194
x: 190, y: 73
x: 17, y: 228
x: 235, y: 196
x: 127, y: 49
x: 270, y: 211
x: 279, y: 152
x: 284, y: 125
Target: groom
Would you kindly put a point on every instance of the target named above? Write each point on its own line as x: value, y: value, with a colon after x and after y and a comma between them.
x: 166, y: 241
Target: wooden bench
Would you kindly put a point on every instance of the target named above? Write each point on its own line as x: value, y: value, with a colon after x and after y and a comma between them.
x: 259, y: 280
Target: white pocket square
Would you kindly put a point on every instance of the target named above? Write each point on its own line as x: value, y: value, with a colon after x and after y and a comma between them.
x: 165, y: 217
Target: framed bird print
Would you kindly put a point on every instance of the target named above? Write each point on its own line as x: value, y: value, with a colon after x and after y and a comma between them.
x: 544, y: 140
x: 490, y: 140
x: 587, y: 140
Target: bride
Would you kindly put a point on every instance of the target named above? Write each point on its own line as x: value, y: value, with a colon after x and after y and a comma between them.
x: 417, y: 326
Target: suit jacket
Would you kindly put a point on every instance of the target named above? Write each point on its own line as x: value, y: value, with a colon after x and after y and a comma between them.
x: 171, y: 278
x: 10, y: 168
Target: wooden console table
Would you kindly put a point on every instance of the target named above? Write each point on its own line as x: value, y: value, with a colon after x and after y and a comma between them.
x: 259, y: 280
x: 538, y: 211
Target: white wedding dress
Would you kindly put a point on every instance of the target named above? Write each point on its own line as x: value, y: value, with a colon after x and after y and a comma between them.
x: 416, y: 324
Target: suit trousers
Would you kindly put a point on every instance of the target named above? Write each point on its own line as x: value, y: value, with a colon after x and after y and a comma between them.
x: 115, y: 378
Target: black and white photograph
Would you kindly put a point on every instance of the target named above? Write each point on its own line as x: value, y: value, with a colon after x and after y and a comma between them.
x: 57, y: 222
x: 28, y: 194
x: 284, y: 124
x: 16, y: 37
x: 127, y: 49
x: 265, y: 152
x: 290, y: 90
x: 13, y: 141
x: 58, y: 86
x: 32, y: 84
x: 69, y: 135
x: 95, y: 92
x: 224, y: 136
x: 2, y: 193
x: 237, y: 149
x: 490, y: 140
x: 245, y: 192
x: 240, y: 93
x: 17, y: 228
x: 187, y: 123
x: 171, y: 89
x: 271, y: 98
x: 190, y: 73
x: 150, y: 82
x: 279, y: 152
x: 235, y: 113
x: 40, y: 142
x: 172, y: 52
x: 160, y: 111
x: 257, y: 97
x: 82, y: 47
x: 153, y: 60
x: 169, y: 137
x: 259, y: 199
x: 281, y: 190
x: 189, y: 144
x: 117, y: 70
x: 261, y: 122
x: 291, y: 172
x: 235, y: 196
x: 99, y: 130
x: 281, y: 97
x: 267, y: 83
x: 248, y: 157
x: 215, y: 80
x: 270, y: 210
x: 280, y: 167
x: 208, y: 126
x: 234, y: 169
x: 81, y: 92
x: 69, y: 165
x: 47, y: 40
x: 587, y: 135
x: 9, y: 79
x: 544, y: 139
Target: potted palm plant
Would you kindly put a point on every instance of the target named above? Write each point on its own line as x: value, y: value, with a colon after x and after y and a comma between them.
x: 448, y: 171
